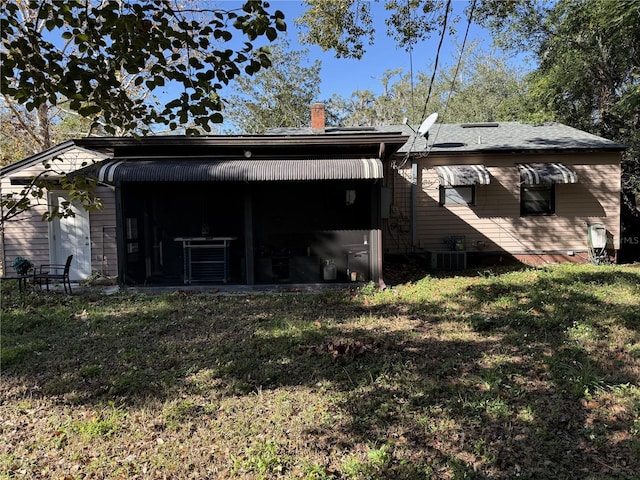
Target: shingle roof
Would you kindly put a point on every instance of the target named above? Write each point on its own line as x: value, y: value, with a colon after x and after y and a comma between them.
x: 502, y: 137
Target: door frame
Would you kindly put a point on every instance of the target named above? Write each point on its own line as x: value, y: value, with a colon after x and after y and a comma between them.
x: 81, y: 266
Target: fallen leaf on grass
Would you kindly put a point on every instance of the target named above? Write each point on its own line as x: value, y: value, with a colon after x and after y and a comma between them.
x: 349, y: 348
x: 590, y: 404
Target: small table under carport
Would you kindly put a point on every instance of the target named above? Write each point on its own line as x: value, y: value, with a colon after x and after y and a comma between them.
x: 206, y: 259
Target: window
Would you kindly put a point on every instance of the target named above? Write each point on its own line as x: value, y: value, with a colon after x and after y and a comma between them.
x: 537, y: 200
x: 460, y: 195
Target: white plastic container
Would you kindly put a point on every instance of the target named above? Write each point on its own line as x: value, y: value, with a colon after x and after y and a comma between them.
x: 329, y: 271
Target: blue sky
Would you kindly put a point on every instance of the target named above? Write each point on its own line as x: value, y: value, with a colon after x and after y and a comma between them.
x: 343, y: 76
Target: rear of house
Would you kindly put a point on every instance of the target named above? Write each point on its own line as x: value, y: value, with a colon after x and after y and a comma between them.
x: 490, y: 193
x: 220, y: 209
x: 320, y: 204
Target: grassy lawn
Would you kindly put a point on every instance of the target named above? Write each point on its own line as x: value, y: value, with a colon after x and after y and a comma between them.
x: 531, y: 373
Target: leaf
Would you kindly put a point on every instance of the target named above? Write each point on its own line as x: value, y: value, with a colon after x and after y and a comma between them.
x: 89, y: 110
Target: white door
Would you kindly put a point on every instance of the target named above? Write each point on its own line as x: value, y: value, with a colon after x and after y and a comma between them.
x: 70, y: 236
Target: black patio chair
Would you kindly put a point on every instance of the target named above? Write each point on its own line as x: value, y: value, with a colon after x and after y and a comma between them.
x: 52, y: 271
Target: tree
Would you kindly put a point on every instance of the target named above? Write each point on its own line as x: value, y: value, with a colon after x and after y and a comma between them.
x: 481, y: 88
x: 276, y: 97
x: 484, y: 88
x: 14, y: 144
x: 346, y: 26
x: 23, y: 133
x: 78, y: 52
x: 365, y: 108
x: 103, y: 60
x: 589, y: 69
x: 338, y: 25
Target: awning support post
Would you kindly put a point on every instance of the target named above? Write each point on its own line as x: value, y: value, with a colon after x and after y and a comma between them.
x: 248, y: 235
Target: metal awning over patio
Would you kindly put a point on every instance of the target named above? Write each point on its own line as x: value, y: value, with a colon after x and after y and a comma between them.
x: 461, y: 175
x: 237, y: 170
x: 546, y: 173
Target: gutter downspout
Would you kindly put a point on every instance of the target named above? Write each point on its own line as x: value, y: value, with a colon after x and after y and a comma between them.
x: 414, y: 203
x: 121, y: 248
x: 3, y: 264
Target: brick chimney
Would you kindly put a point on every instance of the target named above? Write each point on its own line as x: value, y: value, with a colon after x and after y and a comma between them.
x: 317, y: 117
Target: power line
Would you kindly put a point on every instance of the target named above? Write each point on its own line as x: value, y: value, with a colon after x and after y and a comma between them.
x: 455, y: 73
x: 435, y: 67
x: 411, y: 58
x: 464, y: 42
x: 433, y: 76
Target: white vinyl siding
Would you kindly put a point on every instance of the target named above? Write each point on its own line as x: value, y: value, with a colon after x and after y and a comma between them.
x: 495, y: 219
x: 27, y: 235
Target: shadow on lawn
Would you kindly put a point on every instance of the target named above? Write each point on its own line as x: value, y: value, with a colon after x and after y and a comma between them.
x: 505, y: 393
x: 531, y: 414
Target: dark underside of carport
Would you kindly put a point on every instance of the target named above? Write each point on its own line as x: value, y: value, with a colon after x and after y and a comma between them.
x: 283, y: 221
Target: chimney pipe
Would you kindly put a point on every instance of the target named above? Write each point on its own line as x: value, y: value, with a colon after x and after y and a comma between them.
x: 317, y: 117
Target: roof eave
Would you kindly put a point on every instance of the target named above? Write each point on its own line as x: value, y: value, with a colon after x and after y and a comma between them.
x: 38, y: 158
x: 245, y: 140
x: 513, y: 151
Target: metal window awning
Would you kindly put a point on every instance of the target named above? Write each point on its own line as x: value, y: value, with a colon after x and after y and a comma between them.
x: 237, y: 170
x: 462, y: 175
x: 546, y: 173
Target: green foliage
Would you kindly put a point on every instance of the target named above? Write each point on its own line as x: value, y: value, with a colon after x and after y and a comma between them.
x: 346, y: 26
x: 485, y: 89
x: 14, y: 143
x: 24, y: 133
x: 482, y: 89
x: 104, y: 61
x: 80, y: 52
x: 102, y: 426
x: 364, y: 107
x: 589, y: 69
x: 377, y: 460
x: 342, y: 25
x: 276, y: 97
x: 313, y: 471
x: 261, y: 459
x: 80, y: 190
x: 588, y: 76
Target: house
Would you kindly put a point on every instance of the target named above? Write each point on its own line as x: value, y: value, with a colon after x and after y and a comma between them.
x: 493, y: 192
x: 214, y: 209
x: 321, y: 204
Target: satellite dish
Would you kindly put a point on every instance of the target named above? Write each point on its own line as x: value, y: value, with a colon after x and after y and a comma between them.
x: 427, y: 124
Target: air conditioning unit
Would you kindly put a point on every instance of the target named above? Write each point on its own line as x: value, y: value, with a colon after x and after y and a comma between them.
x: 448, y: 260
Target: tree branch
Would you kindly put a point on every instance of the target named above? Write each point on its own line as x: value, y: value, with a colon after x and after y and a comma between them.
x: 21, y: 119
